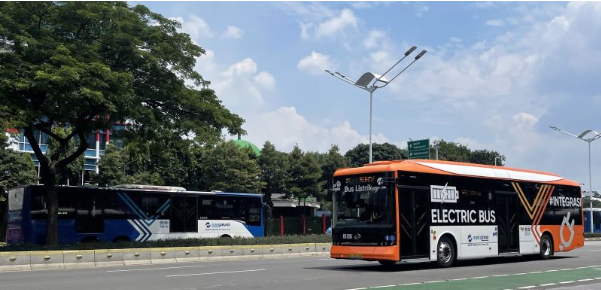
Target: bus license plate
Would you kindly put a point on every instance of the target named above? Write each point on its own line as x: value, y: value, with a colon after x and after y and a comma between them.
x: 354, y: 256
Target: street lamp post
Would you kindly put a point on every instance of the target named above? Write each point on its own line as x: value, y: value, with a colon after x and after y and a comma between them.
x: 497, y: 157
x: 371, y: 82
x: 590, y: 175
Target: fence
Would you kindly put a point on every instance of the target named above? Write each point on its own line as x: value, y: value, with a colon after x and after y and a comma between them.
x: 304, y: 225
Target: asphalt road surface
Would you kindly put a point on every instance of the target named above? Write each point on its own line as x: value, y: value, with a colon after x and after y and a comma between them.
x: 580, y: 269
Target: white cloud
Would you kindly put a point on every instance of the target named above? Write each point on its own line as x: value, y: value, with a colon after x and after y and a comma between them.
x: 265, y: 80
x: 361, y: 5
x: 196, y: 27
x: 374, y: 38
x: 337, y: 24
x: 495, y: 22
x: 246, y: 66
x: 421, y: 9
x: 232, y: 32
x: 285, y: 127
x: 455, y: 39
x: 316, y: 63
x: 305, y: 30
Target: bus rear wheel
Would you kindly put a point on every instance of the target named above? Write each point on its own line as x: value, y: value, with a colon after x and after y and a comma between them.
x: 445, y: 252
x: 546, y: 247
x: 387, y: 263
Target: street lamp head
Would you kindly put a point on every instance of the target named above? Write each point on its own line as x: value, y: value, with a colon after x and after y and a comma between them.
x: 421, y: 54
x: 410, y: 50
x: 365, y: 80
x: 554, y: 128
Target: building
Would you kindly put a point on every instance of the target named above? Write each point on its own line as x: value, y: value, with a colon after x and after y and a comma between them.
x: 97, y: 143
x: 292, y: 207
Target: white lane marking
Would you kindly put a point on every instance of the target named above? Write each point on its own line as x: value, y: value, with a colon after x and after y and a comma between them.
x: 526, y: 287
x: 214, y: 273
x: 548, y: 284
x: 566, y: 282
x: 152, y: 269
x: 585, y: 280
x: 435, y: 281
x: 385, y: 286
x: 500, y: 275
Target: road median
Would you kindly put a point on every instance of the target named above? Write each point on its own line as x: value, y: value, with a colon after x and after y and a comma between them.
x: 35, y: 260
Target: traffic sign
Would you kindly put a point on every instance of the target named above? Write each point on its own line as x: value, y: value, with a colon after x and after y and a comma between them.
x: 419, y: 149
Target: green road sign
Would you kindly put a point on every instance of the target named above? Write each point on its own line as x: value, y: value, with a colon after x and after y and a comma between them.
x: 419, y: 149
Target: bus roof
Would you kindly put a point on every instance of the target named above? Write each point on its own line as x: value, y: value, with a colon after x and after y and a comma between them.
x: 459, y: 169
x: 150, y: 190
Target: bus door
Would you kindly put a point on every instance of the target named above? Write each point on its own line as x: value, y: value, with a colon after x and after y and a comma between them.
x: 89, y: 217
x: 414, y: 220
x: 507, y: 215
x: 183, y: 214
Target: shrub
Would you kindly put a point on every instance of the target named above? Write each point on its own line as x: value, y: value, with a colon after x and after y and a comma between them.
x: 272, y: 240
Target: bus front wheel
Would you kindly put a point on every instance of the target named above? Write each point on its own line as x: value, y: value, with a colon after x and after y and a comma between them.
x: 546, y: 247
x: 445, y: 252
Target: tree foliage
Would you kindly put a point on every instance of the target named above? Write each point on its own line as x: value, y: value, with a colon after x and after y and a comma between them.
x: 274, y: 172
x: 451, y: 151
x: 304, y: 175
x: 89, y: 64
x: 227, y: 167
x: 359, y: 155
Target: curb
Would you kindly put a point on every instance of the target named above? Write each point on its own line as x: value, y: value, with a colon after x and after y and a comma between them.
x: 36, y: 260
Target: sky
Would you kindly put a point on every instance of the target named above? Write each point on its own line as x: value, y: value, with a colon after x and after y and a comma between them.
x: 496, y: 74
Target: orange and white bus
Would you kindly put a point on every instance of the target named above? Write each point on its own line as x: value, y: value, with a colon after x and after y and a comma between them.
x: 442, y: 211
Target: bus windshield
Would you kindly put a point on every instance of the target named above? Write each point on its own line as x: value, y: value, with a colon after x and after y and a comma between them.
x: 363, y: 200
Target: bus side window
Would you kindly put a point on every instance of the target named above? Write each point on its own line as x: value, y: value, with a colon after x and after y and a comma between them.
x: 113, y: 209
x: 205, y: 210
x: 38, y: 205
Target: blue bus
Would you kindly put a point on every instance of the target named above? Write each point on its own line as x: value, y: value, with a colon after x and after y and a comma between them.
x: 132, y: 213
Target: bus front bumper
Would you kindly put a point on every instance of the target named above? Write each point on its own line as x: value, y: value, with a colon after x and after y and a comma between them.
x: 365, y: 253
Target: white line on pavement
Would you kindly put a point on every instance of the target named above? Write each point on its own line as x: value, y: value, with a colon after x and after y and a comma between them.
x: 214, y: 273
x: 152, y: 269
x: 566, y: 282
x: 526, y: 287
x: 548, y: 284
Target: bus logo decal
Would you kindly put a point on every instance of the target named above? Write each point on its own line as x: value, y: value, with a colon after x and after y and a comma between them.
x: 143, y: 222
x: 566, y: 222
x: 542, y: 194
x: 444, y: 194
x: 535, y: 210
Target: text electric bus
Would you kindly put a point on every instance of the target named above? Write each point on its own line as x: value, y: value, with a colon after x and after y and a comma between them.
x: 442, y: 211
x: 133, y: 213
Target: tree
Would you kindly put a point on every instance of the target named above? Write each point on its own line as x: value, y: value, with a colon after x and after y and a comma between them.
x: 111, y: 167
x: 274, y: 172
x: 456, y: 152
x: 227, y: 167
x: 304, y: 175
x: 71, y: 173
x: 89, y: 64
x: 359, y: 155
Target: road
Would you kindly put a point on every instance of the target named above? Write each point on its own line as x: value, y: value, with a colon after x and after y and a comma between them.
x: 574, y: 270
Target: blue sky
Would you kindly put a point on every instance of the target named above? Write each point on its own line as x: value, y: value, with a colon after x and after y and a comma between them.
x: 496, y: 74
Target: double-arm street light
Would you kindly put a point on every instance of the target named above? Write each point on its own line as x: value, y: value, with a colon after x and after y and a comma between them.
x: 589, y: 140
x: 371, y: 82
